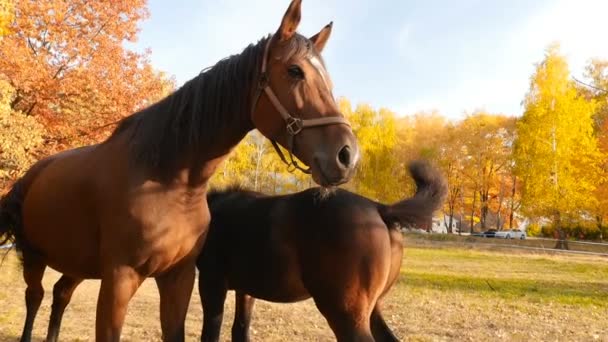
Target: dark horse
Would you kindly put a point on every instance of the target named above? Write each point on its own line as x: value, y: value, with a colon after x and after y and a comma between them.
x: 135, y: 205
x: 341, y: 249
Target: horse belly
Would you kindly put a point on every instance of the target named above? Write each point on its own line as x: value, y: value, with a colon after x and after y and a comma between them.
x: 59, y: 222
x: 274, y: 276
x: 285, y: 291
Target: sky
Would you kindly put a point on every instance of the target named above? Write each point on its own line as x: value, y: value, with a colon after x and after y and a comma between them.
x: 408, y: 56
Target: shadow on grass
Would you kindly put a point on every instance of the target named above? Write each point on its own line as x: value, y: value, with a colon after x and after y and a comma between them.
x: 564, y: 292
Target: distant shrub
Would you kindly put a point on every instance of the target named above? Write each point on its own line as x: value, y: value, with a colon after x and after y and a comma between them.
x: 534, y: 229
x: 547, y: 231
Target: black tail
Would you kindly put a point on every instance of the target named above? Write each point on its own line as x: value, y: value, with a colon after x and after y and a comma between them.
x: 431, y: 190
x: 11, y: 224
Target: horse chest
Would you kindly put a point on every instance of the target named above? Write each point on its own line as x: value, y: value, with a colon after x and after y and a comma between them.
x: 169, y: 231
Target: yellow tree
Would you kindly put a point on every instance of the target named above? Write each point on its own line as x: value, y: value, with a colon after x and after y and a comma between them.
x: 421, y: 135
x: 556, y: 152
x: 487, y: 140
x: 20, y: 138
x: 379, y: 175
x: 236, y: 168
x: 255, y: 165
x: 597, y: 71
x: 428, y: 135
x: 451, y: 159
x: 6, y: 16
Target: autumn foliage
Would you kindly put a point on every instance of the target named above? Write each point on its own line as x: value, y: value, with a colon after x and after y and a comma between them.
x: 65, y: 71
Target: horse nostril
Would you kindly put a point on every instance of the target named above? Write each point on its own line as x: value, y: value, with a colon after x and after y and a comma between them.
x: 344, y: 157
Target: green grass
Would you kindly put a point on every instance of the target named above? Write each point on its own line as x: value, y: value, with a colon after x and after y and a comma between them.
x: 460, y: 241
x: 531, y: 278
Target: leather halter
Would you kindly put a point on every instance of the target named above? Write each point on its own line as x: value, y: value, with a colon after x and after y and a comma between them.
x: 294, y: 125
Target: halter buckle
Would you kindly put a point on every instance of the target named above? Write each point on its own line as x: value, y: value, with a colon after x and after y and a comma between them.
x: 294, y: 125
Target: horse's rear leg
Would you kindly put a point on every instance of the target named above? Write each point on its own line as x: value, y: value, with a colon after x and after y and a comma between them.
x: 118, y: 286
x: 62, y: 293
x: 33, y: 271
x: 381, y: 330
x: 350, y: 322
x: 242, y: 317
x: 175, y: 288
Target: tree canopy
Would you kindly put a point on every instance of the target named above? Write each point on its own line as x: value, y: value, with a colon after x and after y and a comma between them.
x: 556, y: 151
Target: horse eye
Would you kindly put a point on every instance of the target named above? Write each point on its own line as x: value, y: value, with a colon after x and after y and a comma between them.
x: 295, y: 72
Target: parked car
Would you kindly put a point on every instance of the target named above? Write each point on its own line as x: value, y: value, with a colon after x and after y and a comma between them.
x: 511, y: 234
x: 488, y: 233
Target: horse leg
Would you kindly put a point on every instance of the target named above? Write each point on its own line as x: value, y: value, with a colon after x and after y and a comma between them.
x: 117, y: 288
x: 349, y: 323
x: 62, y: 293
x: 381, y: 330
x: 33, y: 271
x: 175, y: 288
x: 213, y: 296
x: 242, y: 317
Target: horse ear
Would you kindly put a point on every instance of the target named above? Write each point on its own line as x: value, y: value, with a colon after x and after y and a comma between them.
x: 321, y: 38
x: 290, y: 22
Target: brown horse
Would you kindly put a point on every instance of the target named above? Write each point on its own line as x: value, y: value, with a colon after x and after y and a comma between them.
x: 341, y: 249
x: 134, y: 206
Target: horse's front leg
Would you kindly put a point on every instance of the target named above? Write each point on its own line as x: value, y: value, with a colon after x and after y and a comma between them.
x: 175, y: 288
x: 62, y: 294
x: 213, y: 294
x: 242, y: 317
x: 118, y: 285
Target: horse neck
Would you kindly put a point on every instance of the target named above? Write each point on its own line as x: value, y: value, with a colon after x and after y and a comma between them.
x: 163, y: 142
x: 220, y: 137
x: 202, y: 166
x: 193, y: 129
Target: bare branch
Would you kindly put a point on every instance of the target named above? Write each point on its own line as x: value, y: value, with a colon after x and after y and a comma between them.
x: 590, y: 85
x: 29, y: 43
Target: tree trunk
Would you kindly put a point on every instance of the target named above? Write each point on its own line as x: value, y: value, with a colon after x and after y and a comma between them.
x: 501, y: 198
x: 599, y: 221
x: 28, y: 112
x: 562, y: 242
x: 449, y: 227
x: 473, y: 211
x: 451, y: 208
x: 483, y: 197
x: 461, y: 211
x: 512, y: 206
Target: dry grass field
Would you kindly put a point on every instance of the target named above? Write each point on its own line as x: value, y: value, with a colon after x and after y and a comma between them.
x: 444, y: 294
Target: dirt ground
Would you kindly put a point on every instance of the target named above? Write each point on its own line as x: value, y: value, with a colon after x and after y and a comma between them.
x: 444, y: 294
